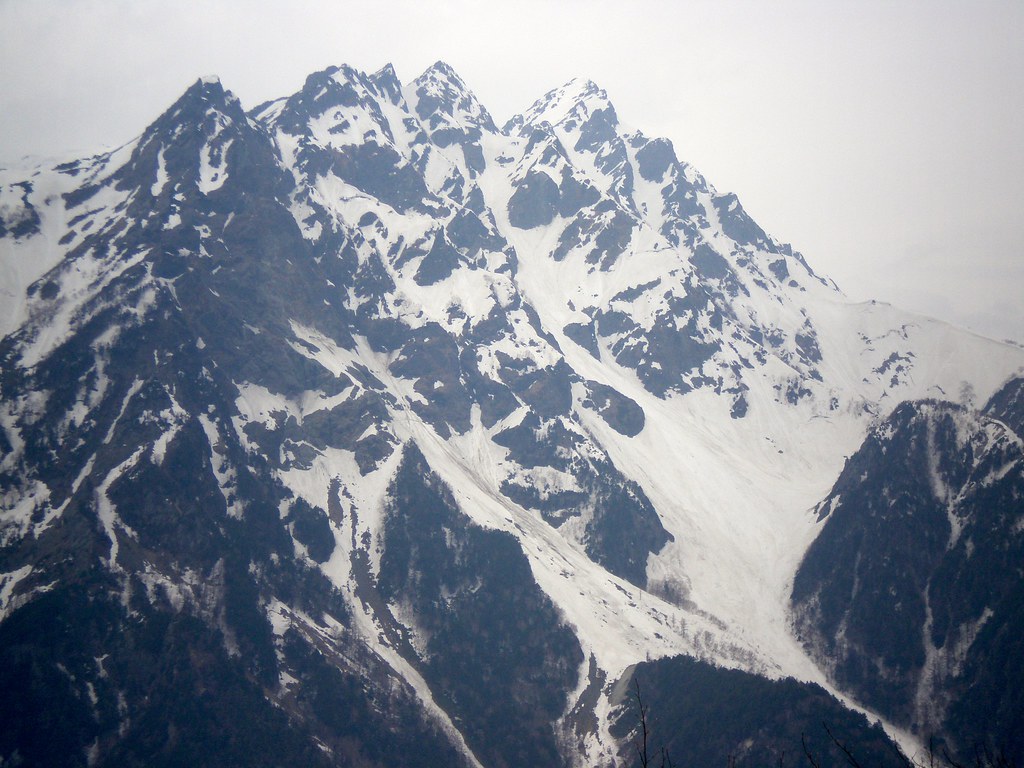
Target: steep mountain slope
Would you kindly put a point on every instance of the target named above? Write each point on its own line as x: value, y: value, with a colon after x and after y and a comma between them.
x: 912, y: 594
x: 358, y: 397
x: 697, y: 713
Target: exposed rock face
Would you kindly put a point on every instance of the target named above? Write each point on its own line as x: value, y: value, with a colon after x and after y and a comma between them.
x: 357, y: 430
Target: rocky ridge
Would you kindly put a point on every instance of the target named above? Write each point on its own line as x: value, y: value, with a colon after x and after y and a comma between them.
x: 332, y: 388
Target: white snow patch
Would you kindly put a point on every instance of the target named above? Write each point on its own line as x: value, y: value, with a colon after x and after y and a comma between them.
x: 227, y: 477
x: 133, y: 390
x: 161, y: 175
x: 176, y: 417
x: 80, y: 281
x: 26, y: 260
x: 106, y: 510
x: 212, y: 175
x: 8, y: 583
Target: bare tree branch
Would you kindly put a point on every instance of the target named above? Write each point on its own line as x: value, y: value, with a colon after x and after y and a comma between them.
x: 641, y: 748
x: 849, y: 755
x: 807, y: 752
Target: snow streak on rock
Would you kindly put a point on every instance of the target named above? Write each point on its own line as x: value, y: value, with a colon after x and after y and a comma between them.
x: 367, y: 396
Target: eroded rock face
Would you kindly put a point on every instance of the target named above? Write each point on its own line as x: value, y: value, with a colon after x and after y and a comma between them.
x: 319, y: 426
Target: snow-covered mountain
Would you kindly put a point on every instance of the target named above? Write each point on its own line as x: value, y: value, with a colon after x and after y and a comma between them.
x: 409, y: 435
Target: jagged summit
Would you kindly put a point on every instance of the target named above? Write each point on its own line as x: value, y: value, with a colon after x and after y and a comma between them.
x: 441, y: 97
x: 320, y: 424
x: 441, y: 70
x: 574, y: 102
x: 386, y: 72
x: 210, y: 90
x: 386, y: 80
x: 346, y: 74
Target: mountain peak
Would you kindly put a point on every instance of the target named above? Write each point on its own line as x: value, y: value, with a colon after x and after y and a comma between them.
x: 441, y: 70
x: 346, y: 74
x: 576, y: 101
x: 387, y: 82
x: 205, y: 105
x: 442, y: 97
x: 208, y: 87
x: 194, y: 145
x: 204, y: 94
x: 440, y: 79
x: 581, y: 87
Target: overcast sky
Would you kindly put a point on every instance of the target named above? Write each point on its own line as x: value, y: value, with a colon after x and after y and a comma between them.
x: 883, y: 138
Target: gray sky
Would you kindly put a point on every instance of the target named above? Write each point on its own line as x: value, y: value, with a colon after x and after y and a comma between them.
x: 883, y: 138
